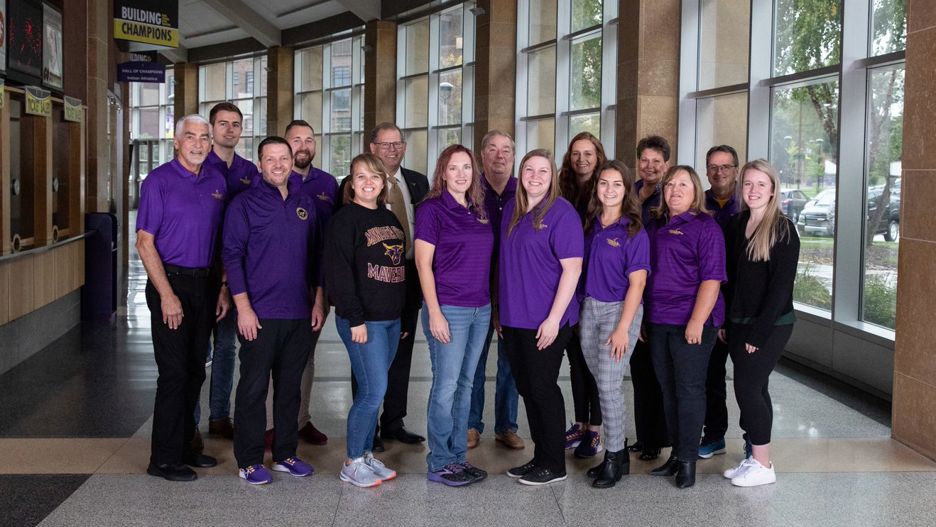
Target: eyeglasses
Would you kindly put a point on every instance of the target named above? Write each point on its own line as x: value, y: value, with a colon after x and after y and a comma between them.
x: 721, y: 168
x: 393, y: 145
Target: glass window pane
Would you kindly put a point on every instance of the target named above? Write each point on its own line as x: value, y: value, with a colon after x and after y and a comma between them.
x: 451, y: 43
x: 260, y: 117
x: 339, y: 155
x: 416, y: 148
x: 311, y: 109
x: 149, y: 123
x: 448, y: 137
x: 882, y: 231
x: 450, y: 97
x: 888, y: 26
x: 243, y: 78
x: 341, y: 110
x: 417, y: 106
x: 585, y: 13
x: 214, y: 82
x: 542, y: 21
x: 804, y: 149
x: 247, y: 108
x: 541, y: 133
x: 341, y: 63
x: 541, y: 82
x: 169, y: 92
x: 808, y: 35
x: 723, y: 43
x: 417, y: 47
x: 149, y: 94
x: 311, y: 64
x: 585, y: 82
x: 721, y: 121
x: 589, y: 122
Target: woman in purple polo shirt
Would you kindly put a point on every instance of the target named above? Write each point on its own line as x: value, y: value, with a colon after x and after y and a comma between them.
x: 577, y: 178
x: 454, y: 244
x: 763, y: 251
x: 684, y: 311
x: 538, y: 268
x: 617, y: 260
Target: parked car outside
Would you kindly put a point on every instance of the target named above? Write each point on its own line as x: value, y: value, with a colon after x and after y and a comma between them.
x: 792, y: 201
x: 817, y: 217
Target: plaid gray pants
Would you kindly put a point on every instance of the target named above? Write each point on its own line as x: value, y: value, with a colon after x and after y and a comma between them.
x: 598, y: 321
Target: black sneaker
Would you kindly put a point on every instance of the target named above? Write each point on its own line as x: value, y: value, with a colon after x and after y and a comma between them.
x: 476, y: 473
x: 541, y: 476
x: 522, y: 470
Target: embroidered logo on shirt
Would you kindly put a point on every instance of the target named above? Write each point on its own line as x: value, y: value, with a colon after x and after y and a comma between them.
x: 302, y: 213
x: 395, y: 252
x: 676, y: 231
x: 613, y: 242
x: 245, y: 180
x: 483, y: 222
x: 217, y: 194
x: 324, y: 197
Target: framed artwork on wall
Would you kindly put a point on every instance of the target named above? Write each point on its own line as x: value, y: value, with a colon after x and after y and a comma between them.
x: 52, y: 48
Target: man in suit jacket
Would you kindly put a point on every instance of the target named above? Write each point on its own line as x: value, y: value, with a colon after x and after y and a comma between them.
x: 406, y: 189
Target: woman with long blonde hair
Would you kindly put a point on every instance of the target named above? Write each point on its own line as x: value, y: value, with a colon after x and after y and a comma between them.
x: 763, y: 251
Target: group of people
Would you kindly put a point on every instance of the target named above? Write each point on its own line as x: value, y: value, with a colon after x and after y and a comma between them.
x: 656, y: 273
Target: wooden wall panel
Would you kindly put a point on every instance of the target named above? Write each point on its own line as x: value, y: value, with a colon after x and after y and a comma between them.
x: 4, y: 294
x: 32, y: 281
x: 22, y: 293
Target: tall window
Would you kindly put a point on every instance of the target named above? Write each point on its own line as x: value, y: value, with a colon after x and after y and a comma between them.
x: 152, y: 120
x: 436, y: 84
x: 565, y: 72
x: 329, y: 85
x: 233, y: 80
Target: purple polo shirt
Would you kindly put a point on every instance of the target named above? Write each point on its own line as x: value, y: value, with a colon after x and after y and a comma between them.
x: 687, y: 250
x: 463, y: 248
x: 266, y: 247
x: 240, y: 176
x: 721, y: 214
x: 652, y: 202
x: 611, y: 255
x: 322, y: 187
x: 529, y: 268
x: 183, y: 211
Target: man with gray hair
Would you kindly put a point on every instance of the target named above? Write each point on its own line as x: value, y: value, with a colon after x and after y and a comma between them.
x: 180, y: 212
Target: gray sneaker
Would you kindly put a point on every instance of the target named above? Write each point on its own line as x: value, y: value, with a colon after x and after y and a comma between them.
x: 359, y: 474
x: 380, y: 470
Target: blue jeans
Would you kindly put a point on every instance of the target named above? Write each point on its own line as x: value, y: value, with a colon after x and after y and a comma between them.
x: 222, y: 368
x: 369, y: 364
x: 506, y: 397
x: 453, y: 372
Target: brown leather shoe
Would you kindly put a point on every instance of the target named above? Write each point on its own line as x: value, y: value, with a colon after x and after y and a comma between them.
x: 223, y: 427
x: 473, y: 437
x: 197, y: 444
x: 310, y: 434
x: 510, y: 439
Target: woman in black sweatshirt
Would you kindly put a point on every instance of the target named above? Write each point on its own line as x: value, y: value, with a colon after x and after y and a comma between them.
x: 763, y: 249
x: 364, y: 277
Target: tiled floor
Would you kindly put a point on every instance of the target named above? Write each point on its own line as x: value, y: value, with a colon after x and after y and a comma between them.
x: 75, y: 422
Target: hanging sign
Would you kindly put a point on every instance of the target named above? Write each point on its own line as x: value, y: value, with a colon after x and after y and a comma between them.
x: 72, y: 109
x: 141, y: 72
x: 38, y: 101
x: 147, y: 21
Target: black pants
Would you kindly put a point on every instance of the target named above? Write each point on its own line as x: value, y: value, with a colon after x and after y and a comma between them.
x: 584, y: 389
x: 537, y: 374
x: 180, y: 358
x: 751, y: 377
x: 281, y: 349
x: 681, y: 370
x: 649, y: 421
x: 716, y: 408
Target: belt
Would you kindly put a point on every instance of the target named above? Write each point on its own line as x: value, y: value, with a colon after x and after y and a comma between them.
x: 175, y: 270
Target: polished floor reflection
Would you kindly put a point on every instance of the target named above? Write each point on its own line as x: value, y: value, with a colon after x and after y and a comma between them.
x: 75, y: 422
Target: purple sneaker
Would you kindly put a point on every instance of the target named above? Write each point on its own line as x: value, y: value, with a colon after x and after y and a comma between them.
x: 255, y: 475
x: 573, y: 436
x: 452, y: 475
x: 295, y: 466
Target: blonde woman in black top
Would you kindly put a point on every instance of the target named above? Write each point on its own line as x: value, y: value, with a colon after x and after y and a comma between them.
x: 763, y: 250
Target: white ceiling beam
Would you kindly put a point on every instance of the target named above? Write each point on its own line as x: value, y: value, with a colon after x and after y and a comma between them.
x: 175, y: 55
x: 366, y: 10
x: 249, y: 20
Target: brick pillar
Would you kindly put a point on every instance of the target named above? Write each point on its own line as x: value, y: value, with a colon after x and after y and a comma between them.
x: 186, y: 90
x: 495, y: 68
x: 380, y: 45
x: 280, y: 93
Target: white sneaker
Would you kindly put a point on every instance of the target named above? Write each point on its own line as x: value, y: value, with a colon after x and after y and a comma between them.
x: 379, y: 469
x: 746, y: 463
x: 359, y: 474
x: 755, y: 475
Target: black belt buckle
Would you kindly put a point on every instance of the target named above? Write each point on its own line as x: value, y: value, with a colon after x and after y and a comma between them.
x: 195, y: 272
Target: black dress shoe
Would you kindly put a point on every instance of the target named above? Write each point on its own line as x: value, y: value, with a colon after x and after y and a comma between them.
x: 649, y: 453
x: 403, y: 435
x: 378, y: 444
x: 666, y: 469
x: 616, y: 464
x: 636, y: 447
x: 172, y: 472
x: 197, y: 459
x: 594, y: 471
x: 685, y: 477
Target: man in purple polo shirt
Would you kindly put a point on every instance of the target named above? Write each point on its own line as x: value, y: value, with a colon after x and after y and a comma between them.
x: 268, y: 232
x: 721, y: 168
x: 500, y: 187
x: 323, y: 189
x: 226, y: 127
x: 181, y: 204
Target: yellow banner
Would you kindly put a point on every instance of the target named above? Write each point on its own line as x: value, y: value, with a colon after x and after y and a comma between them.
x: 146, y: 33
x: 38, y: 101
x: 72, y: 109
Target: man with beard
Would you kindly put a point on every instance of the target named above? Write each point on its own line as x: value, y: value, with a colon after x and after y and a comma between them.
x: 323, y: 189
x: 226, y: 122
